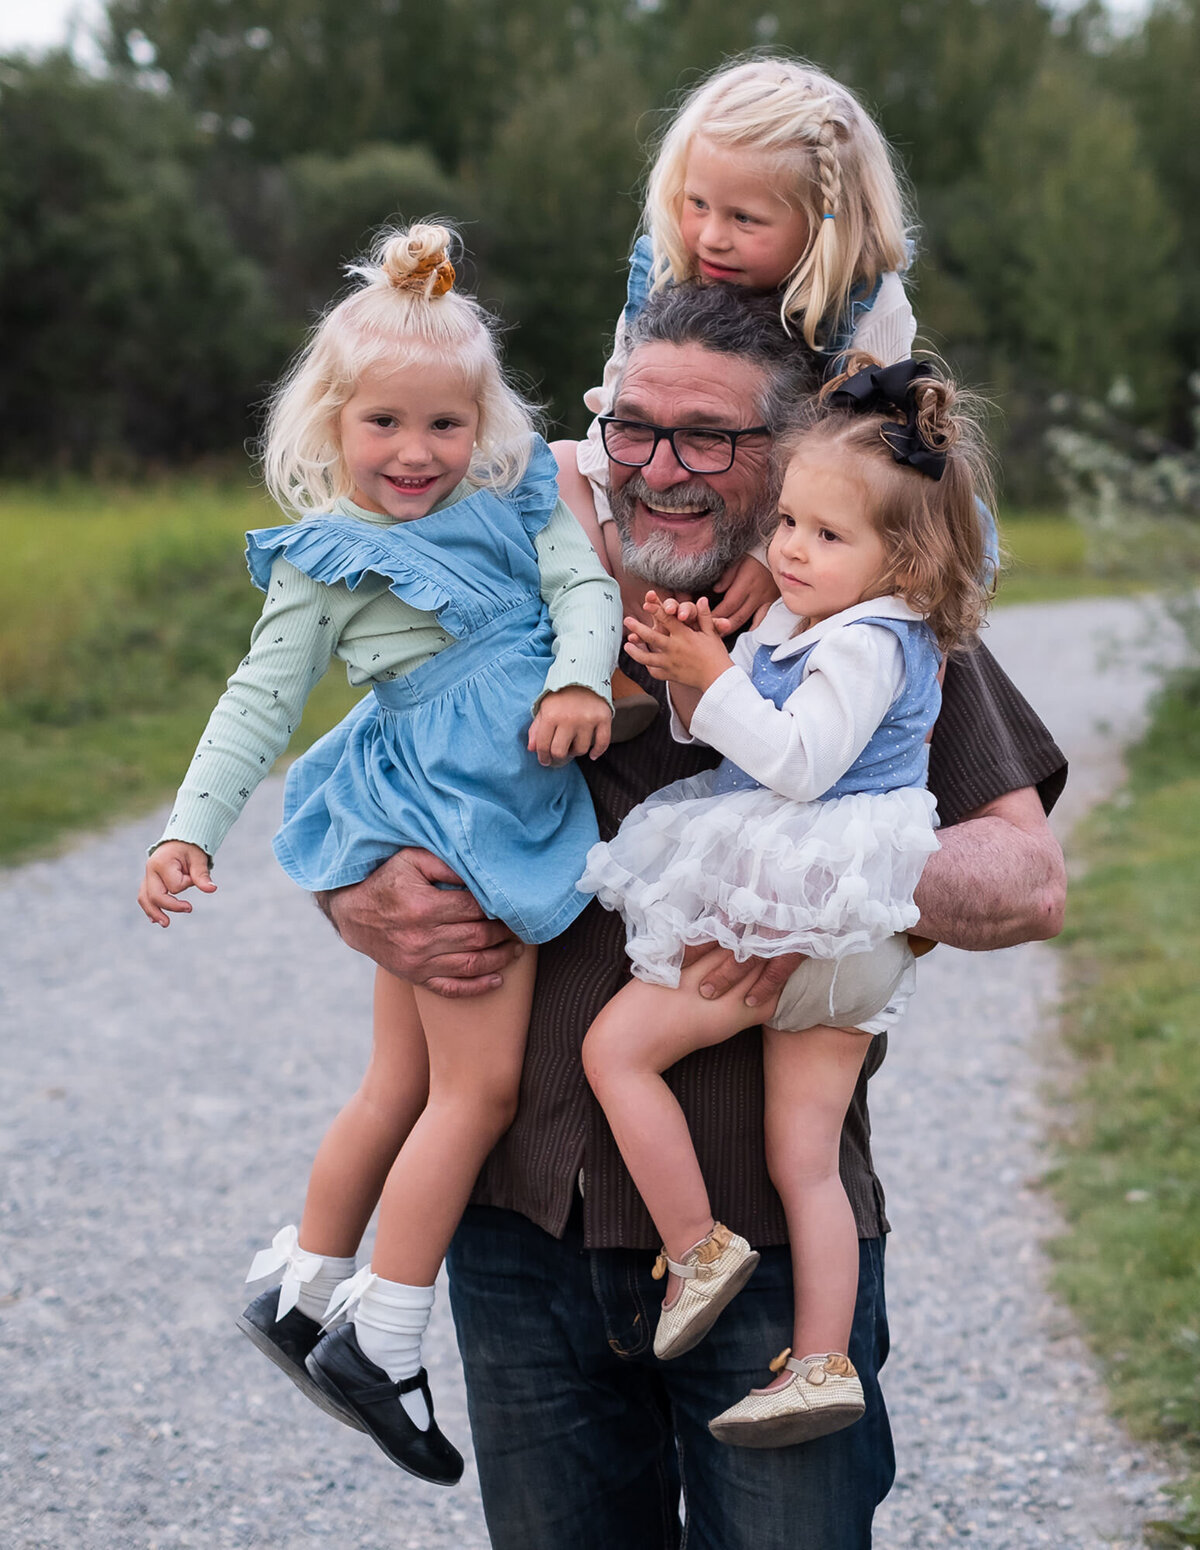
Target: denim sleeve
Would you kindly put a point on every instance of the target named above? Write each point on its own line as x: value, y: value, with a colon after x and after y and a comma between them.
x: 640, y: 261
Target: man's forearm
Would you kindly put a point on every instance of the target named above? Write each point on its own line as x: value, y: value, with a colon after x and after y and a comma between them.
x: 998, y: 879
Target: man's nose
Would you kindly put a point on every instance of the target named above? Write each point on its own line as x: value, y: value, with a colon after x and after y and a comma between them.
x: 664, y: 470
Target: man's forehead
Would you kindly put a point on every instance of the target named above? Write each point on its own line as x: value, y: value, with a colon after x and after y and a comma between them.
x: 687, y: 384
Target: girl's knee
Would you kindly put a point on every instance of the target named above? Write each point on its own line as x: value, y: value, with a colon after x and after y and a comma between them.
x: 487, y: 1108
x: 795, y: 1165
x: 602, y: 1052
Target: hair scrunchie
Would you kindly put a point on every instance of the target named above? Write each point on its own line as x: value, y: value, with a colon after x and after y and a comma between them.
x: 438, y: 265
x: 881, y: 389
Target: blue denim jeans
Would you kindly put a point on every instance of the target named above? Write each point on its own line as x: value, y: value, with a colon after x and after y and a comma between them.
x: 586, y: 1442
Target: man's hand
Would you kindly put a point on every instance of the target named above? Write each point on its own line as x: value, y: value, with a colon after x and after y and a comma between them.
x: 679, y: 642
x: 431, y: 936
x: 569, y: 723
x: 749, y: 590
x: 724, y: 972
x: 174, y: 866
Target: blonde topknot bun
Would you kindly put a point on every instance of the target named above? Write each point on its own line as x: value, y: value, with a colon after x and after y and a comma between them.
x: 418, y: 260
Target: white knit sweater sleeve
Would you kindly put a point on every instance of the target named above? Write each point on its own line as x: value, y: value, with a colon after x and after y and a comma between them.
x: 851, y: 679
x: 887, y: 331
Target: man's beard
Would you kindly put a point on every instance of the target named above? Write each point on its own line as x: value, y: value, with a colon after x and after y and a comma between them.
x: 658, y: 562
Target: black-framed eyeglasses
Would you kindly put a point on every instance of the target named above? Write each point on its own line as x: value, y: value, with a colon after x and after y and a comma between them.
x: 699, y: 449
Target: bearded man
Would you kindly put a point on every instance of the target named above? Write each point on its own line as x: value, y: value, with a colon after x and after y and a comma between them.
x: 582, y: 1437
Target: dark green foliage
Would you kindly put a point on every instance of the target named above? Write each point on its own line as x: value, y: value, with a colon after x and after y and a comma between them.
x: 244, y: 150
x: 558, y: 189
x: 1063, y: 229
x: 332, y: 206
x: 1157, y: 70
x: 131, y: 325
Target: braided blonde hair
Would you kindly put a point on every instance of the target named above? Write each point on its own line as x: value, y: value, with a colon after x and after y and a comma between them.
x: 403, y: 312
x: 831, y: 160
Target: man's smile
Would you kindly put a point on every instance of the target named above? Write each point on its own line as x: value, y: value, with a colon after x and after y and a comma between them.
x: 674, y: 513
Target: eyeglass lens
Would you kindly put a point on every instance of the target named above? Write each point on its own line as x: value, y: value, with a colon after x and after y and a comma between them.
x: 700, y: 451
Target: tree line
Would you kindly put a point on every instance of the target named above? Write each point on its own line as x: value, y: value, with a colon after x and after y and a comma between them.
x: 170, y: 227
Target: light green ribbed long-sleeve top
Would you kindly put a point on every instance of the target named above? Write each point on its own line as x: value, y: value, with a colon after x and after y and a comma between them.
x: 306, y: 623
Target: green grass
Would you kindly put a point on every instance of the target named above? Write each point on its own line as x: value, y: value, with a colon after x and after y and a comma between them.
x: 1129, y: 1177
x: 1045, y: 561
x: 121, y: 614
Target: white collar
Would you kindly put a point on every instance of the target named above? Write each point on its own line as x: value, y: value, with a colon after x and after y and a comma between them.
x: 778, y: 628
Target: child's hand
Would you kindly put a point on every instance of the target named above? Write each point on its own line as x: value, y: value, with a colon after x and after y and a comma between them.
x: 749, y: 589
x: 680, y: 642
x: 174, y: 866
x: 569, y: 723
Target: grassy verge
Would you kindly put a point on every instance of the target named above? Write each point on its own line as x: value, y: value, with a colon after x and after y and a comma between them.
x: 1129, y: 1178
x: 121, y: 614
x: 1046, y: 561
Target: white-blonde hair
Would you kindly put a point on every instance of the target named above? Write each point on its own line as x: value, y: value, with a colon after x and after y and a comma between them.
x: 832, y: 162
x: 395, y: 317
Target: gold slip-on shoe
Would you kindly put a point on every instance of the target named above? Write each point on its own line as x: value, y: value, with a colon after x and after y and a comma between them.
x: 823, y: 1395
x: 713, y: 1273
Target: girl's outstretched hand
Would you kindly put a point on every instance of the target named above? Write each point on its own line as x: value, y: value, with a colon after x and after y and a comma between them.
x: 569, y: 723
x: 174, y: 866
x: 680, y: 642
x: 749, y: 589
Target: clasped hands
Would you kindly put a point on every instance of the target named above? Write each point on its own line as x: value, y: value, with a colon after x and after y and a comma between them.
x: 678, y: 641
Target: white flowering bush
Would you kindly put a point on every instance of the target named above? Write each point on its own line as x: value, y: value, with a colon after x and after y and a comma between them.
x: 1137, y: 498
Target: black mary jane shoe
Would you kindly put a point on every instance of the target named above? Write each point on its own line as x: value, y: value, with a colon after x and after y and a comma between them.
x: 348, y: 1378
x: 287, y: 1342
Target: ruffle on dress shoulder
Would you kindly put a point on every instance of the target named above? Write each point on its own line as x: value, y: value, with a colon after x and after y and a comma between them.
x: 332, y: 549
x: 537, y: 494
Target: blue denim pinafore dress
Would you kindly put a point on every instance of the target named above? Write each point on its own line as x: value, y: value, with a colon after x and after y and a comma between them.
x: 437, y: 758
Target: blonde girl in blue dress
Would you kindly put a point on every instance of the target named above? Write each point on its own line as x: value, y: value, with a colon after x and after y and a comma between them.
x: 434, y: 558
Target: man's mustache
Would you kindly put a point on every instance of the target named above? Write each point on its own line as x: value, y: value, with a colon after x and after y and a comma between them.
x: 678, y: 498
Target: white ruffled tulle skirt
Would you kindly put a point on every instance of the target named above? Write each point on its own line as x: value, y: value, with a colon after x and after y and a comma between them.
x: 760, y: 874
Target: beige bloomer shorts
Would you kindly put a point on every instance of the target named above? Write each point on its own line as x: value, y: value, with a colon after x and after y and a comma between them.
x: 867, y: 991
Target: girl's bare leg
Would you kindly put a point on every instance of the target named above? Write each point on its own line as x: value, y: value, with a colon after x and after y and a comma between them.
x: 475, y: 1049
x: 809, y: 1079
x: 577, y: 492
x: 642, y: 1031
x: 361, y: 1144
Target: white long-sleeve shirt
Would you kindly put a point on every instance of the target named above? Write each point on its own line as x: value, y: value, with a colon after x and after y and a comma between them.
x: 850, y: 682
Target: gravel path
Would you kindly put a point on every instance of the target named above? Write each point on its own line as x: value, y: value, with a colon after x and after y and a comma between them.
x: 161, y: 1094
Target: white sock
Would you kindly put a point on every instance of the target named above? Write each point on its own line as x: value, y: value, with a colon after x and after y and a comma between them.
x: 315, y: 1294
x: 389, y: 1322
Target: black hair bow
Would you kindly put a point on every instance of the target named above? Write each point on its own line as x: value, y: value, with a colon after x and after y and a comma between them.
x: 880, y: 389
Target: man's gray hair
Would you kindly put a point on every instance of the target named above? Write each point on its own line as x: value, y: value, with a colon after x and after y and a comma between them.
x: 734, y: 321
